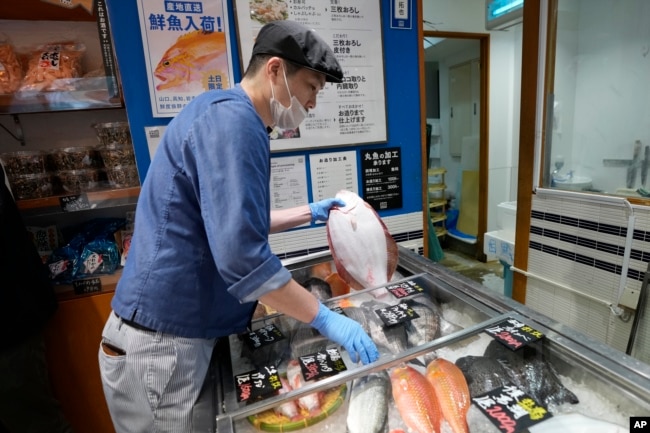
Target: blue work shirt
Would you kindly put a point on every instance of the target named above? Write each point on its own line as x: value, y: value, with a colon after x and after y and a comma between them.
x: 200, y: 257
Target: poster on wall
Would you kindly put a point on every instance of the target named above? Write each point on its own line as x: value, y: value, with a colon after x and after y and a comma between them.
x: 288, y: 182
x: 381, y: 177
x: 332, y: 172
x: 186, y: 51
x: 348, y: 113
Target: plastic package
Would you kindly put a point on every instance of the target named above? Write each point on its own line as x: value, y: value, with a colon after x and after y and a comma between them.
x: 76, y: 181
x: 117, y: 154
x: 30, y: 186
x: 11, y: 72
x: 50, y: 67
x: 113, y: 132
x: 123, y: 176
x: 92, y: 250
x: 23, y: 162
x: 75, y: 158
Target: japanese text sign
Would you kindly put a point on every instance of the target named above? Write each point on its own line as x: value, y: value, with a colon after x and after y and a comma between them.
x: 513, y: 334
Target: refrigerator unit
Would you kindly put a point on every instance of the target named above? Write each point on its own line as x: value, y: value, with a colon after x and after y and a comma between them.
x: 525, y: 372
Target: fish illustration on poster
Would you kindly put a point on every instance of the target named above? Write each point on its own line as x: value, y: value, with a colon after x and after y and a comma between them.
x: 346, y: 113
x: 187, y: 51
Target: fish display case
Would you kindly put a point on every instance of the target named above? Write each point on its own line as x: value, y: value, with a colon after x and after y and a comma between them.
x: 454, y: 357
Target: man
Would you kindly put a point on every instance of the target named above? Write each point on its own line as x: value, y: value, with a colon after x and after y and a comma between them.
x: 27, y: 302
x: 200, y: 257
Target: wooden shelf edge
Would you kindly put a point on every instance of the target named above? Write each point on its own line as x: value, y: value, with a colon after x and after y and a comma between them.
x: 94, y: 197
x: 437, y: 187
x: 109, y: 282
x: 437, y: 203
x: 436, y: 171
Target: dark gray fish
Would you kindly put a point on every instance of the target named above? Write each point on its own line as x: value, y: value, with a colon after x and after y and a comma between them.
x: 531, y: 371
x: 319, y: 288
x: 301, y: 274
x: 306, y: 340
x: 359, y: 315
x: 425, y: 328
x: 271, y: 354
x: 482, y: 374
x: 393, y: 338
x: 368, y: 408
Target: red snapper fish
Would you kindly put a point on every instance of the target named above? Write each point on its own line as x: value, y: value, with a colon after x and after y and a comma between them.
x: 415, y: 400
x: 194, y: 58
x: 452, y: 393
x: 364, y: 252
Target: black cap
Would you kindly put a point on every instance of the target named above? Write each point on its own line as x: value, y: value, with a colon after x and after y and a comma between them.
x: 298, y: 44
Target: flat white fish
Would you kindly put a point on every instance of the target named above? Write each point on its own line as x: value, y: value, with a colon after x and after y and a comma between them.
x: 364, y: 252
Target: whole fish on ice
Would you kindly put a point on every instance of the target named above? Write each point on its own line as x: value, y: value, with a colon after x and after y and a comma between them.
x: 306, y: 340
x: 531, y: 372
x: 393, y: 338
x: 318, y: 287
x: 483, y: 374
x: 368, y: 409
x: 425, y: 328
x: 451, y: 391
x: 364, y: 252
x: 415, y: 399
x: 195, y: 57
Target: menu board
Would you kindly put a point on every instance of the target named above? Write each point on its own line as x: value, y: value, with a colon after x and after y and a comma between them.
x: 332, y: 172
x: 351, y: 112
x: 186, y: 51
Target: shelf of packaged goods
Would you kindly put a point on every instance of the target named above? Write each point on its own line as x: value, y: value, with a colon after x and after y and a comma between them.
x: 96, y: 199
x: 108, y: 284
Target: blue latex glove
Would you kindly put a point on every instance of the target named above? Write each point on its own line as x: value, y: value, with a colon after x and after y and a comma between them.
x: 320, y: 210
x: 346, y: 332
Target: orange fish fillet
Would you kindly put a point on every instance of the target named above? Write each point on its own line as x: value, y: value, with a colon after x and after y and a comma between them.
x: 451, y: 391
x: 415, y: 400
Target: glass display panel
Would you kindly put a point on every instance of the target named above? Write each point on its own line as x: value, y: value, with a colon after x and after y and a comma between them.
x: 597, y: 99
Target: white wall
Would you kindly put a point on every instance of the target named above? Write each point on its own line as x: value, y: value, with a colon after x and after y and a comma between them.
x: 468, y: 16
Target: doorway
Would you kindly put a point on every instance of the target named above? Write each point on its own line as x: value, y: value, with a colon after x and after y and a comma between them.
x: 455, y: 88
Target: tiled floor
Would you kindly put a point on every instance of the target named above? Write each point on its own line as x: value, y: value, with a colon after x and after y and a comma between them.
x: 489, y: 274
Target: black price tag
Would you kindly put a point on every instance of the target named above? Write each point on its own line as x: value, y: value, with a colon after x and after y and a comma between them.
x: 263, y: 337
x: 510, y: 409
x: 74, y: 203
x: 513, y: 334
x: 257, y: 383
x: 404, y: 289
x: 321, y: 364
x: 396, y: 314
x: 89, y: 285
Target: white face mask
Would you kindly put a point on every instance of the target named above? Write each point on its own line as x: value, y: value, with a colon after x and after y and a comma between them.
x: 287, y: 117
